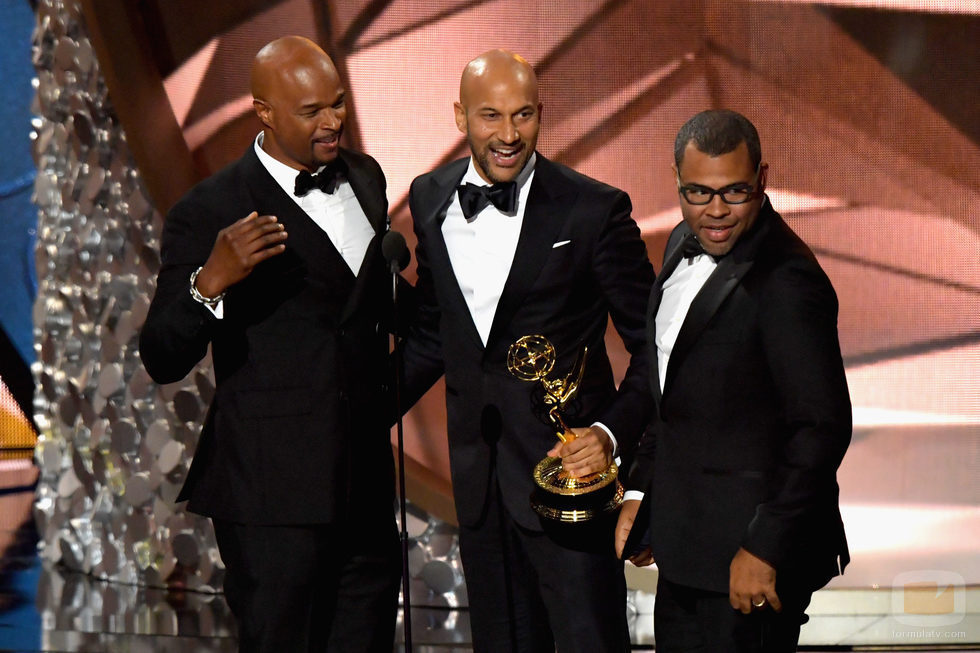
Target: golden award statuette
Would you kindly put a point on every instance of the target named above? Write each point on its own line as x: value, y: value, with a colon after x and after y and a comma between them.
x: 557, y: 495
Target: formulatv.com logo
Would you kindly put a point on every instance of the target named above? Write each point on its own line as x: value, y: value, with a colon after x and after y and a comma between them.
x: 928, y: 598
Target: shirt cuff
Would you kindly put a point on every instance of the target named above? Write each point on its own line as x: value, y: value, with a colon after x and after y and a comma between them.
x: 612, y: 438
x: 633, y: 495
x: 218, y: 310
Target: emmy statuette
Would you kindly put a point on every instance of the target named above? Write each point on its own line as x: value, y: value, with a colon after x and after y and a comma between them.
x: 557, y: 495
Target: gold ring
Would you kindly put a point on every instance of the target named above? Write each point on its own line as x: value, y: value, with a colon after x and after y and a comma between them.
x: 761, y: 603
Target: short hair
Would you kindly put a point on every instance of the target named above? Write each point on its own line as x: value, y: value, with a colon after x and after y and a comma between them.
x: 716, y: 132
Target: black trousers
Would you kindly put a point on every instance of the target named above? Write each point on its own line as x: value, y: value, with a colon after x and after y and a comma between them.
x: 693, y: 620
x: 317, y: 588
x: 530, y: 591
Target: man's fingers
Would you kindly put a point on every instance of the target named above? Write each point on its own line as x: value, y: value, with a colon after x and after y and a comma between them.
x: 580, y: 449
x: 260, y: 228
x: 742, y: 603
x: 248, y: 218
x: 262, y: 233
x: 266, y: 252
x: 623, y: 527
x: 249, y: 224
x: 624, y: 524
x: 590, y: 466
x: 773, y: 599
x: 271, y: 239
x: 643, y: 558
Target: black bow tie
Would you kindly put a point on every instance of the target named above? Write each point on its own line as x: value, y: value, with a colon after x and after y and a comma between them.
x: 326, y: 180
x: 692, y: 247
x: 473, y: 198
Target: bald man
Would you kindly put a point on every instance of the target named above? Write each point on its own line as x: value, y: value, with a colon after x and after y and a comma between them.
x: 512, y: 244
x: 276, y: 262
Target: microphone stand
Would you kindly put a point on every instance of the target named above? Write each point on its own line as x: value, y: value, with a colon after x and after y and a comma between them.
x: 395, y: 266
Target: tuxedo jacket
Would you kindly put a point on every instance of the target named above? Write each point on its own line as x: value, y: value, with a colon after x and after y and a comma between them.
x: 753, y: 419
x: 579, y: 260
x: 293, y: 434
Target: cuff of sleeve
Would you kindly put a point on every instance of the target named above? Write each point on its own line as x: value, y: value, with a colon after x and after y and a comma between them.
x: 217, y: 310
x: 633, y: 495
x: 612, y: 438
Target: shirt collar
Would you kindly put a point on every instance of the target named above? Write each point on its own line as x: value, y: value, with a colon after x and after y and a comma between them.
x: 284, y: 175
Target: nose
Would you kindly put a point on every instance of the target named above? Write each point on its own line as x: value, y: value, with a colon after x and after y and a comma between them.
x: 509, y: 133
x: 329, y: 120
x: 717, y: 207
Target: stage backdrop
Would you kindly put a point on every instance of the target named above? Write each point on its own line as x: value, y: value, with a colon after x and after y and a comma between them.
x: 870, y: 121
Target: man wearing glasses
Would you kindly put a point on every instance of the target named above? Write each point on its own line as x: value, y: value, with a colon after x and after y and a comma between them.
x: 737, y: 469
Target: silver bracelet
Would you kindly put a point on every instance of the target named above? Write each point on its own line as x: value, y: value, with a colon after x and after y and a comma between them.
x: 196, y: 294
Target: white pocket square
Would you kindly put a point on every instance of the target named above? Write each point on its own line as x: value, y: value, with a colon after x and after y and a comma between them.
x: 560, y: 243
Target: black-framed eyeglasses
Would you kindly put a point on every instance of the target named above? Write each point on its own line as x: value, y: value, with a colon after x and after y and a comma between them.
x: 699, y: 195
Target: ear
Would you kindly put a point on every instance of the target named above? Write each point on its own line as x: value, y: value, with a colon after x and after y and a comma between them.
x: 763, y: 175
x: 460, y: 112
x: 677, y: 174
x: 263, y: 111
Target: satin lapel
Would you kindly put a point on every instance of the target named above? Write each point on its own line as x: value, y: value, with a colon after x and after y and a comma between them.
x: 438, y: 194
x: 672, y: 257
x: 270, y: 199
x: 369, y: 193
x: 718, y: 286
x: 373, y: 202
x: 548, y: 203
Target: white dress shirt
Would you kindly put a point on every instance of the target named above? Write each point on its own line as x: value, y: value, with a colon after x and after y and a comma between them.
x: 482, y: 248
x: 679, y: 290
x: 338, y: 214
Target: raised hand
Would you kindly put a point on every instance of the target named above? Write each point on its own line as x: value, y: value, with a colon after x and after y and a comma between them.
x: 238, y: 249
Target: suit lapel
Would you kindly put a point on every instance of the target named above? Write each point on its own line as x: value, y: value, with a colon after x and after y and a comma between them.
x: 371, y: 197
x: 548, y: 203
x: 369, y: 194
x: 718, y: 287
x: 269, y: 198
x: 725, y: 278
x: 437, y: 196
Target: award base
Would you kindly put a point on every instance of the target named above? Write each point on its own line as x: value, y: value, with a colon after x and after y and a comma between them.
x: 562, y: 498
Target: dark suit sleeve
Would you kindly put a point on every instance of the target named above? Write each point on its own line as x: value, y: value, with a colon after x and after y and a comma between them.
x: 624, y: 273
x: 423, y: 346
x: 799, y: 331
x: 178, y: 329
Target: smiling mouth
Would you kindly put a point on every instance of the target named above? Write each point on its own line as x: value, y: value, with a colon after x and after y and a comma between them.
x: 717, y: 233
x: 506, y: 156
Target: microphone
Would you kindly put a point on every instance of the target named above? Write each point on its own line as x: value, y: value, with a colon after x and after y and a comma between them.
x: 395, y: 251
x: 396, y: 254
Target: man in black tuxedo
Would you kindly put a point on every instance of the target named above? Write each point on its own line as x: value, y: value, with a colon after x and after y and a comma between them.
x: 512, y: 244
x: 294, y: 463
x: 752, y: 415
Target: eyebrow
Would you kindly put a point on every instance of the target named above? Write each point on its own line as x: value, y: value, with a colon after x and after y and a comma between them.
x: 492, y: 108
x: 313, y: 105
x: 732, y: 185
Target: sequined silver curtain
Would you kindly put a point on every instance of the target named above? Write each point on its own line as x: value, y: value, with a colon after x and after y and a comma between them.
x: 113, y: 445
